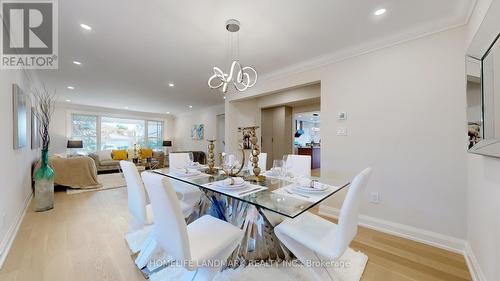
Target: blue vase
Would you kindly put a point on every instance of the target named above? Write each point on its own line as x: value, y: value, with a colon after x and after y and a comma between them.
x: 44, y: 184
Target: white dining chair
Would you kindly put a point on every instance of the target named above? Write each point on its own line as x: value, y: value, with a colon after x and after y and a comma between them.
x: 178, y: 159
x: 185, y: 192
x: 201, y: 247
x: 140, y: 211
x: 299, y: 165
x: 314, y: 239
x: 262, y: 162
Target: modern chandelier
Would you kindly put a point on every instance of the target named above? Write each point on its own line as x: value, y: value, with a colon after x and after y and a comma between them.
x: 241, y: 77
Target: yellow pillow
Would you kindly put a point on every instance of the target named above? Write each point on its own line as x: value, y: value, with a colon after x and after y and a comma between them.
x: 146, y: 152
x: 119, y: 155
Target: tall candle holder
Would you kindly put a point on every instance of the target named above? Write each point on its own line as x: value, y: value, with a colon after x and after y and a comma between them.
x: 250, y: 132
x: 211, y: 158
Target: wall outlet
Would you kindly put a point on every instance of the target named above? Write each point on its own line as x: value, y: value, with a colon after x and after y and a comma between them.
x: 342, y: 132
x: 375, y: 197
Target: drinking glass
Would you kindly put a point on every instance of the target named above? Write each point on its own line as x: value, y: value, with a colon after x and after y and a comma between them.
x: 285, y: 164
x: 288, y: 166
x: 229, y: 162
x: 277, y: 167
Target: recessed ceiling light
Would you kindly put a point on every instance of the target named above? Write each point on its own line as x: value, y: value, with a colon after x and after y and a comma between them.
x: 70, y: 88
x: 380, y: 12
x: 126, y: 107
x: 86, y: 27
x: 190, y: 106
x: 300, y: 116
x: 224, y: 97
x: 77, y: 62
x: 168, y: 112
x: 68, y: 100
x: 171, y: 84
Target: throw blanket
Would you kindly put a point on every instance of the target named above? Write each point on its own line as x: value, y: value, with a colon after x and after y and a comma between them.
x: 74, y: 172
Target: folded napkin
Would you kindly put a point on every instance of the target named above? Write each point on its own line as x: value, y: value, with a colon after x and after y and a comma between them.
x: 194, y: 164
x: 185, y: 171
x: 305, y: 182
x: 234, y: 181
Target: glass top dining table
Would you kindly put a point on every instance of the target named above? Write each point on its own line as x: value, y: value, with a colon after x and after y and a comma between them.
x: 278, y: 196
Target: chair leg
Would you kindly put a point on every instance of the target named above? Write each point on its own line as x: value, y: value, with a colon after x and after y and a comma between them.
x: 309, y: 258
x: 147, y: 251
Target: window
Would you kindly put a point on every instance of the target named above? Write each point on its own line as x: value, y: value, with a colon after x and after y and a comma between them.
x: 107, y: 133
x: 119, y: 133
x: 155, y: 135
x: 84, y: 127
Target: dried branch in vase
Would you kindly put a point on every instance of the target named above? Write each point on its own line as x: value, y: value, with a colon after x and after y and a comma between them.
x: 45, y: 102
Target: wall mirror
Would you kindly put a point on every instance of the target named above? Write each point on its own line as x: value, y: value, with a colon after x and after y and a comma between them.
x: 483, y: 87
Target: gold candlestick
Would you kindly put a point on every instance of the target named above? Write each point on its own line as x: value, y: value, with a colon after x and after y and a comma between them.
x: 211, y: 158
x: 251, y: 133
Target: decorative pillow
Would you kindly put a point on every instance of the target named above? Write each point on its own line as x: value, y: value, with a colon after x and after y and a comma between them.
x: 130, y: 152
x: 104, y: 155
x: 120, y: 155
x: 145, y: 153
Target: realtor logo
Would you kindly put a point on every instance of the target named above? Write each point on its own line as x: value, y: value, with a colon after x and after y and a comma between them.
x: 29, y: 35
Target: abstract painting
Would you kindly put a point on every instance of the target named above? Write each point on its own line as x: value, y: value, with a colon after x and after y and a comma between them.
x: 197, y: 132
x: 20, y: 111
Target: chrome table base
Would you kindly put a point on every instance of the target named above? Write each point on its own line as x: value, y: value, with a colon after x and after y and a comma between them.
x: 259, y: 241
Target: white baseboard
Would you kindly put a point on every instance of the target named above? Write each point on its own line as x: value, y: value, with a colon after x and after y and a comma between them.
x: 409, y: 232
x: 474, y: 268
x: 12, y: 231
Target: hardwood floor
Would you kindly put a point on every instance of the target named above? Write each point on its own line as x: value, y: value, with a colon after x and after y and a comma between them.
x: 82, y: 239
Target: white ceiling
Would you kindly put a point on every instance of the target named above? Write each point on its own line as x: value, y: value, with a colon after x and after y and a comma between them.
x: 137, y: 47
x: 308, y: 116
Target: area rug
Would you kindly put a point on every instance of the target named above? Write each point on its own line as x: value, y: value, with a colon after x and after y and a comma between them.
x: 354, y: 264
x: 108, y: 181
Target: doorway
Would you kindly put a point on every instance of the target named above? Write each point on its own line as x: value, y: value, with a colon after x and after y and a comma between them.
x: 307, y: 136
x: 221, y: 134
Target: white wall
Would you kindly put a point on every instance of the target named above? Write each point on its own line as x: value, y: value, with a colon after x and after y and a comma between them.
x: 184, y: 122
x: 406, y: 119
x: 483, y: 195
x: 60, y: 129
x: 244, y: 113
x: 15, y: 167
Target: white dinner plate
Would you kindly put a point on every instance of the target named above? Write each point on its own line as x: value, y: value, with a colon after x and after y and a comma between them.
x: 323, y: 188
x: 188, y: 174
x: 231, y: 187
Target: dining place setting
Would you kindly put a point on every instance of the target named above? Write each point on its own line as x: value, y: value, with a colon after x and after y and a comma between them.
x: 233, y: 178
